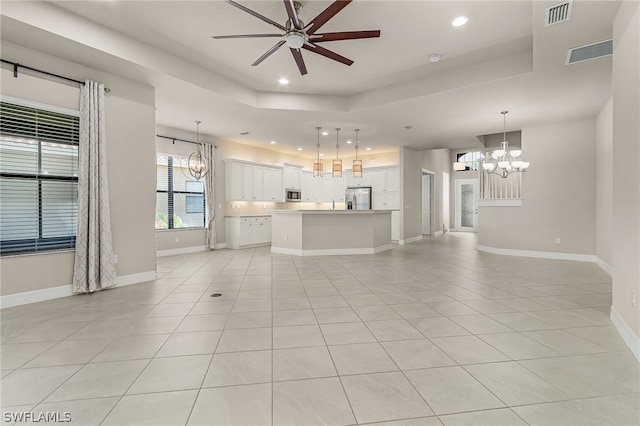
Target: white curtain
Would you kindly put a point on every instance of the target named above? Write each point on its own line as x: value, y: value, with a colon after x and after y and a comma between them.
x: 209, y: 184
x: 94, y: 268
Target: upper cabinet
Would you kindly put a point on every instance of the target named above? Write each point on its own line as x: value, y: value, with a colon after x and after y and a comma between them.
x: 253, y: 182
x: 292, y: 176
x: 385, y: 179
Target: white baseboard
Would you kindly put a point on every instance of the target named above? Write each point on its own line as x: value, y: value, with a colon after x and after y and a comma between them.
x: 438, y: 233
x: 330, y: 252
x: 604, y: 266
x: 183, y: 250
x: 538, y: 254
x: 135, y: 278
x: 34, y: 296
x: 220, y: 246
x: 410, y: 240
x: 626, y: 333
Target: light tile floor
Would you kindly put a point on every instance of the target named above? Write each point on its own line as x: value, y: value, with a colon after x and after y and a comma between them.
x: 425, y: 334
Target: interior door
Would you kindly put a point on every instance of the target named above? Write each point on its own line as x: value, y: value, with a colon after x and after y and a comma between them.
x: 466, y: 209
x: 426, y: 204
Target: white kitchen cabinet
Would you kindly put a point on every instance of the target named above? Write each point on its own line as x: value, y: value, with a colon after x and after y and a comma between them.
x: 338, y: 190
x: 395, y: 226
x: 253, y: 182
x: 392, y: 179
x: 248, y: 231
x: 307, y: 187
x: 272, y: 185
x: 247, y: 182
x: 365, y: 180
x: 292, y: 176
x: 233, y: 181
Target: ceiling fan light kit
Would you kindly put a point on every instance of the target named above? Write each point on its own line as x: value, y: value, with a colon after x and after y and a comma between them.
x: 296, y: 35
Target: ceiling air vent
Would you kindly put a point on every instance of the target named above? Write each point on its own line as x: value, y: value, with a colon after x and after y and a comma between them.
x: 590, y: 51
x: 558, y: 13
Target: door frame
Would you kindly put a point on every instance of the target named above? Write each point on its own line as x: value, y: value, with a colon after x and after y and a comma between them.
x: 431, y: 201
x: 458, y: 207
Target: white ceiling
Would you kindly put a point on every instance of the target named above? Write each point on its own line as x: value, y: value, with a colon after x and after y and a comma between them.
x: 504, y: 58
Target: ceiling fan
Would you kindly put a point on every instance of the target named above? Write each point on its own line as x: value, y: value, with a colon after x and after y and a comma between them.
x: 297, y: 35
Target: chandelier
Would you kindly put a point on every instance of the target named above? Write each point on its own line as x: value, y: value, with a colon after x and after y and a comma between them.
x: 506, y: 162
x: 317, y: 164
x: 337, y: 163
x: 197, y: 164
x: 357, y: 164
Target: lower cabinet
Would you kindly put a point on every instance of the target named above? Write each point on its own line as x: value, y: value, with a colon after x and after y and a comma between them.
x: 248, y: 231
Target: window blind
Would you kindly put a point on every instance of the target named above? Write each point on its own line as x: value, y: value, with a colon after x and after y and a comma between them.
x: 180, y: 201
x: 38, y: 179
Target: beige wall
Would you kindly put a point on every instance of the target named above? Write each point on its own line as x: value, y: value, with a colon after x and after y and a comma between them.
x: 604, y: 184
x: 412, y: 163
x: 626, y: 157
x: 130, y: 121
x: 558, y: 192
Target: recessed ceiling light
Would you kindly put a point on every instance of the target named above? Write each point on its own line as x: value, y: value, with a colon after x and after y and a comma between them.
x: 272, y: 142
x: 244, y: 133
x: 459, y: 21
x: 349, y: 142
x: 283, y: 81
x: 408, y: 127
x: 325, y: 133
x: 368, y: 148
x: 321, y: 155
x: 299, y: 149
x: 434, y: 58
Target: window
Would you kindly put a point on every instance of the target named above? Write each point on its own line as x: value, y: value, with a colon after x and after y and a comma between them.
x: 180, y: 201
x: 38, y: 178
x: 470, y: 159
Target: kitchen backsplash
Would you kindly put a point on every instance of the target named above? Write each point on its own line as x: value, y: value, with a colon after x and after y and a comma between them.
x: 248, y: 208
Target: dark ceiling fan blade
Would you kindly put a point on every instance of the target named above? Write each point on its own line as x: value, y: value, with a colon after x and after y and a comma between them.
x: 327, y: 53
x: 346, y: 35
x: 246, y: 36
x: 256, y: 14
x: 325, y: 15
x: 291, y: 11
x: 297, y: 55
x: 268, y: 53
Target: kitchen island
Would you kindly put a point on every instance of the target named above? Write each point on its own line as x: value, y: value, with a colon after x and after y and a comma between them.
x: 330, y: 232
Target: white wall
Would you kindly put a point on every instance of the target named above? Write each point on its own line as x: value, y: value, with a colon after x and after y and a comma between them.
x: 130, y: 122
x: 626, y: 174
x: 604, y: 184
x: 558, y: 192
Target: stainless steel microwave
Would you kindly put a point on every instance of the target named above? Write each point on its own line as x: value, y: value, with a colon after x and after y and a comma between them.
x: 293, y: 194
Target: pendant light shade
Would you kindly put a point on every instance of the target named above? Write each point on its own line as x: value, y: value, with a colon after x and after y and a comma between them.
x: 317, y: 164
x: 337, y: 163
x: 357, y: 164
x: 197, y: 164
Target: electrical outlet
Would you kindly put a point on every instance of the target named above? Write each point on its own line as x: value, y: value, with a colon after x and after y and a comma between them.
x: 115, y: 260
x: 557, y: 240
x: 286, y: 237
x: 176, y: 239
x: 633, y: 298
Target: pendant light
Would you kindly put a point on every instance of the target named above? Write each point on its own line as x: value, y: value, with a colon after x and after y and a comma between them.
x: 508, y: 162
x: 357, y: 164
x: 337, y: 163
x: 317, y: 164
x: 197, y: 164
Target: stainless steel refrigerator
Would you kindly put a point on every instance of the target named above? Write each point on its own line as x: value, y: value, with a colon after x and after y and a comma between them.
x: 357, y: 198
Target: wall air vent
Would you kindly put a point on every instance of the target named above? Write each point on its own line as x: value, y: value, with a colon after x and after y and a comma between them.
x: 590, y: 51
x: 558, y: 13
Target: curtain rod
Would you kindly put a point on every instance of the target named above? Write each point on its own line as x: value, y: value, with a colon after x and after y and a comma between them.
x: 62, y: 77
x: 181, y: 140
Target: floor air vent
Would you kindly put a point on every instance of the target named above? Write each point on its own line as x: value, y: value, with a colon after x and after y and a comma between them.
x: 558, y: 13
x: 590, y: 51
